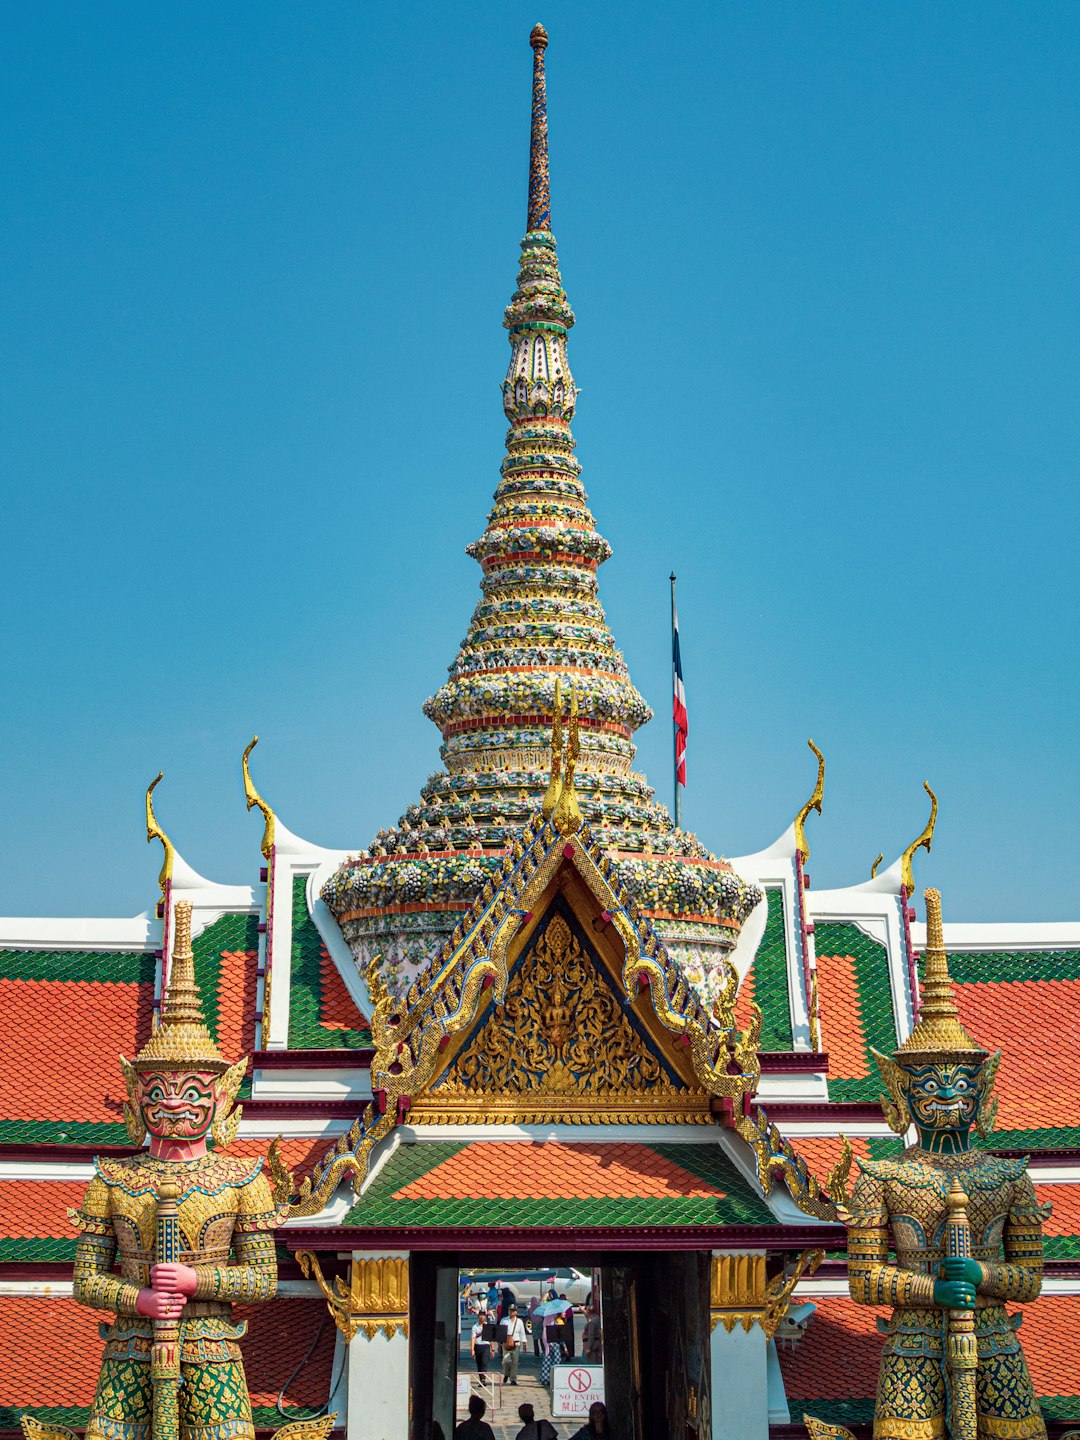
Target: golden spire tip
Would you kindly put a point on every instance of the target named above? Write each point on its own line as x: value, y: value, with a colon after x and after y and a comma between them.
x: 538, y: 37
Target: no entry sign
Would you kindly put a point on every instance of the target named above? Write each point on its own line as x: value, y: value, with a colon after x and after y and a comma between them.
x: 575, y: 1388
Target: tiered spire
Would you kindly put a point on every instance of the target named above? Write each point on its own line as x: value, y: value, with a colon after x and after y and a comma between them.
x: 539, y: 618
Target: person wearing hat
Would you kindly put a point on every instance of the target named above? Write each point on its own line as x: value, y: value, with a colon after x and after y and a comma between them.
x: 941, y: 1081
x: 513, y: 1342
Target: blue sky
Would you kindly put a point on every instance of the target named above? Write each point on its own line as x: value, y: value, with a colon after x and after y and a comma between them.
x: 823, y: 258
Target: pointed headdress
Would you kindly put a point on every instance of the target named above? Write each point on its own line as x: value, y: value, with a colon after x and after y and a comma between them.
x: 182, y: 1039
x: 938, y: 1037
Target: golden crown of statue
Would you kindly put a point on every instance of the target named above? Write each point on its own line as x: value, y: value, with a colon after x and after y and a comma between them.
x: 181, y: 1039
x: 938, y: 1037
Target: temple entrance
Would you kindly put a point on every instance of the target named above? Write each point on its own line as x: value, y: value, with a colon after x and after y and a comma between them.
x: 653, y: 1314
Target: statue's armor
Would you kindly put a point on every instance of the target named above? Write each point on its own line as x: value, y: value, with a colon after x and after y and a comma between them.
x: 226, y: 1215
x: 901, y: 1205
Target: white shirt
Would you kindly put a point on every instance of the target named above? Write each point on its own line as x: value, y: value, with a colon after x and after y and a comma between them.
x: 478, y: 1334
x: 515, y: 1330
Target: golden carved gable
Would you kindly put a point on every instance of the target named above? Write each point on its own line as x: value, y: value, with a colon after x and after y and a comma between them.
x: 560, y: 1048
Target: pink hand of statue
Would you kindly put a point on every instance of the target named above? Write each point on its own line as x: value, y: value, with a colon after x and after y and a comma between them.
x: 174, y: 1279
x: 160, y: 1306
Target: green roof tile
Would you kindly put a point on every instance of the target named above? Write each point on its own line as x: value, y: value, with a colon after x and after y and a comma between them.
x: 305, y: 994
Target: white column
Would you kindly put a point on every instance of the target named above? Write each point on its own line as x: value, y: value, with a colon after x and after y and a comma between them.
x: 740, y: 1384
x: 738, y: 1347
x: 378, y: 1387
x: 378, y: 1354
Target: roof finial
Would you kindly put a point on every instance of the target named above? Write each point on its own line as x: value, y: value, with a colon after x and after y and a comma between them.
x: 254, y: 798
x: 155, y: 832
x: 539, y: 180
x: 907, y: 878
x: 814, y: 803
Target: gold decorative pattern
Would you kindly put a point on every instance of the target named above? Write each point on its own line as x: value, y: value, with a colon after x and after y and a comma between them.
x: 939, y: 1034
x: 924, y: 841
x: 283, y: 1185
x: 821, y: 1430
x: 781, y: 1288
x: 836, y: 1182
x: 736, y: 1290
x: 155, y: 832
x: 877, y: 862
x: 181, y: 1038
x: 255, y: 799
x: 559, y: 1045
x: 567, y: 817
x: 814, y: 803
x: 814, y: 1013
x: 376, y: 1298
x: 551, y: 796
x: 776, y: 1157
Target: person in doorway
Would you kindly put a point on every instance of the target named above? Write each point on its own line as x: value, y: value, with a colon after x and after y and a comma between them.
x: 537, y: 1325
x: 475, y: 1427
x: 566, y: 1335
x: 592, y: 1340
x: 597, y: 1424
x: 492, y: 1297
x: 534, y: 1429
x: 513, y: 1329
x: 508, y: 1299
x: 481, y: 1348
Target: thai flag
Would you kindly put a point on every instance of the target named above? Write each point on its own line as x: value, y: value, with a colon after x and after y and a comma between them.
x: 678, y: 710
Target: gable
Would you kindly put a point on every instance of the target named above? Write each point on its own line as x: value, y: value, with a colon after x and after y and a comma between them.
x: 560, y: 1045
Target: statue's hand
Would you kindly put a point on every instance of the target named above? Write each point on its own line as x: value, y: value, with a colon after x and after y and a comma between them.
x: 954, y: 1294
x: 953, y: 1267
x: 160, y: 1306
x: 174, y: 1279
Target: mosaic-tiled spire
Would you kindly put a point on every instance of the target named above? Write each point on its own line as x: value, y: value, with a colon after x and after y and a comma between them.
x: 539, y: 618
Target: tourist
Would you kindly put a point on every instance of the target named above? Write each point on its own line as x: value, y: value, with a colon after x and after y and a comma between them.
x: 513, y: 1343
x: 537, y: 1325
x: 481, y: 1348
x: 476, y: 1427
x: 566, y: 1320
x: 597, y: 1423
x: 509, y: 1300
x: 534, y: 1429
x: 492, y: 1297
x: 592, y: 1344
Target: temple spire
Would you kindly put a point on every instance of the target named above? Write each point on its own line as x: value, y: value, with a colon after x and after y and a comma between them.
x: 539, y: 179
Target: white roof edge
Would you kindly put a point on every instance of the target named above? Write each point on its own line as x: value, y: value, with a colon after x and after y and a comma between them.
x: 1005, y: 935
x: 141, y: 932
x: 782, y: 848
x: 286, y: 843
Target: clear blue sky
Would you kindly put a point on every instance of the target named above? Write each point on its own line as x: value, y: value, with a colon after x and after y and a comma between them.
x: 824, y: 262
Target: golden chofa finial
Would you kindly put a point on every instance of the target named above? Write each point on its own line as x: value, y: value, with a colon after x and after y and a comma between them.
x: 551, y: 796
x: 568, y: 818
x: 155, y: 832
x: 254, y: 798
x: 877, y: 862
x: 814, y: 803
x: 939, y: 1033
x: 907, y: 879
x: 538, y: 37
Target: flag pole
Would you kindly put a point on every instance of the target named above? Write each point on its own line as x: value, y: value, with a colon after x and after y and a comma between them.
x: 674, y: 722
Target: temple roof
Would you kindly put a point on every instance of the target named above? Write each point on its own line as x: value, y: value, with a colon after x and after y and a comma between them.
x: 585, y: 1184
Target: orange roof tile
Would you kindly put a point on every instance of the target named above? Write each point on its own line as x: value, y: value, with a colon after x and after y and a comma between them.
x: 744, y: 999
x: 299, y: 1154
x: 62, y: 1368
x: 278, y: 1339
x: 839, y: 1356
x: 62, y: 1038
x: 33, y: 1208
x: 505, y: 1170
x: 1007, y: 1014
x: 821, y: 1152
x: 337, y: 1008
x: 236, y: 1002
x: 841, y: 1017
x: 1065, y: 1216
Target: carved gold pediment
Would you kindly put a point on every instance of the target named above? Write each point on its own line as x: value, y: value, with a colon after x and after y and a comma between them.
x: 560, y: 1049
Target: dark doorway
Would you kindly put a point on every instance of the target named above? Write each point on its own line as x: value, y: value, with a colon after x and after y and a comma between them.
x: 655, y: 1336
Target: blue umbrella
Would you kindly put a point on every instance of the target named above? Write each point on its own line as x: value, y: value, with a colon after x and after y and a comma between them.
x: 553, y: 1307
